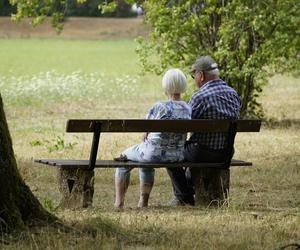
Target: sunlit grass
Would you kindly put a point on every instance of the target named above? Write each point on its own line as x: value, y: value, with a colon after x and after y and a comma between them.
x: 21, y: 57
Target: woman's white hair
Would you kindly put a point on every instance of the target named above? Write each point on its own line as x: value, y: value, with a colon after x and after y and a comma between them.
x: 174, y: 82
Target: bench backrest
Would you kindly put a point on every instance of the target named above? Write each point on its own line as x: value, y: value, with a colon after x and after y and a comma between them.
x: 230, y: 127
x: 134, y: 125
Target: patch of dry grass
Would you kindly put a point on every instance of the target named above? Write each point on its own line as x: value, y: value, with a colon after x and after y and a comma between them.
x: 281, y: 98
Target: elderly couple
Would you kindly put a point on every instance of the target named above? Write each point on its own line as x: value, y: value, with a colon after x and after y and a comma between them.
x: 214, y: 100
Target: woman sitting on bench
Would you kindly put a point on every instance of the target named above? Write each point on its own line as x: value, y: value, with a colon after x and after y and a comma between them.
x: 156, y: 147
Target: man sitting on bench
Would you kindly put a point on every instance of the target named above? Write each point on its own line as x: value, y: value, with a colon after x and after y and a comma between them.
x: 214, y: 100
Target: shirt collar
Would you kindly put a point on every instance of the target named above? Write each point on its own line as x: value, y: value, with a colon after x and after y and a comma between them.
x: 206, y: 85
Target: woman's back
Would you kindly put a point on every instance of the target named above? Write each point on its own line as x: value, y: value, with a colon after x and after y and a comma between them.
x: 162, y: 147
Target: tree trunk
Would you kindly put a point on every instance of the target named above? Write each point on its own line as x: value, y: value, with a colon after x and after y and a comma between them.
x: 18, y: 206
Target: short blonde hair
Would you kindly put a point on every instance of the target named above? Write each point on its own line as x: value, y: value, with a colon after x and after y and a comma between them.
x: 174, y: 82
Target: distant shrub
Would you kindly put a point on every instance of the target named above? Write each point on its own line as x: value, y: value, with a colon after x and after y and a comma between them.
x: 73, y: 8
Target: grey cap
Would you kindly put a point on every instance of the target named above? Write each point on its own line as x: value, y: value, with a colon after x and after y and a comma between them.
x: 204, y: 63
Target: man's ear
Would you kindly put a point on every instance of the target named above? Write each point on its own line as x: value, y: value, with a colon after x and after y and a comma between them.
x: 202, y: 76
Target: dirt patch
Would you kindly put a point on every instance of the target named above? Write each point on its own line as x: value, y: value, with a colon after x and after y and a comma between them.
x: 76, y: 28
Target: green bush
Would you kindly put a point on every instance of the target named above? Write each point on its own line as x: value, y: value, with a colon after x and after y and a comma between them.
x: 89, y: 8
x: 250, y: 40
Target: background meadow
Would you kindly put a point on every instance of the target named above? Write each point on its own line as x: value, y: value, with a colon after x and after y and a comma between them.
x: 44, y: 82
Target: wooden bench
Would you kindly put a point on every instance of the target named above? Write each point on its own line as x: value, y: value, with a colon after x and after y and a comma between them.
x: 76, y: 177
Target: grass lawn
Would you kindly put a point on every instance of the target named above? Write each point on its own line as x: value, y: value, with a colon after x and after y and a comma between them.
x: 21, y: 57
x: 45, y: 82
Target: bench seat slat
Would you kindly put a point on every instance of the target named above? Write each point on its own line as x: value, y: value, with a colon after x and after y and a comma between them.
x: 114, y: 164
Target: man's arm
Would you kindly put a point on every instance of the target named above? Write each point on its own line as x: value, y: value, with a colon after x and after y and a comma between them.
x: 197, y: 105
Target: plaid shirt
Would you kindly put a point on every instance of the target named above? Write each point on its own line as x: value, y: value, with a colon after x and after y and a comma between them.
x: 214, y: 100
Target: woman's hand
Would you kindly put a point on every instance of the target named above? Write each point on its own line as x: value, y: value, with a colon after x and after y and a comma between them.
x: 145, y: 135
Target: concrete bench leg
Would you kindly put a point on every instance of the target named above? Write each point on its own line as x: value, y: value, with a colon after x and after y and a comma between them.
x: 211, y: 186
x: 76, y: 187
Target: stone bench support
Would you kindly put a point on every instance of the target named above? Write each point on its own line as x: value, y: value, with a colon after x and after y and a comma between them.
x: 76, y: 187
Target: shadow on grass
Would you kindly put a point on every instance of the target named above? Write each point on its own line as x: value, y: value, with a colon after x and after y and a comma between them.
x: 135, y: 234
x: 157, y: 226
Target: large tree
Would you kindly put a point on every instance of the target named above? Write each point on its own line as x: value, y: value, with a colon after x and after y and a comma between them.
x: 19, y: 208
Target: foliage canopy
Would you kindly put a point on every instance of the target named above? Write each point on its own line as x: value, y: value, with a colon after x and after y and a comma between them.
x: 58, y: 9
x: 251, y: 40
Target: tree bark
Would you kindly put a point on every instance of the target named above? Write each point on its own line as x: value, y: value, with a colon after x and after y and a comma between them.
x: 19, y: 208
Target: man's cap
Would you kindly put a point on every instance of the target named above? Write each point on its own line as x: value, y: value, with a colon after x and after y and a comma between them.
x: 204, y: 63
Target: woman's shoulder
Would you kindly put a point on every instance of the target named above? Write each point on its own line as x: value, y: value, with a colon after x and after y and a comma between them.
x: 156, y: 110
x: 171, y: 105
x: 159, y: 105
x: 181, y: 104
x: 170, y: 110
x: 184, y: 104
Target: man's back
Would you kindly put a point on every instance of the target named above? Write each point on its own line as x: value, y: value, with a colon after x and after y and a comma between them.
x: 214, y: 100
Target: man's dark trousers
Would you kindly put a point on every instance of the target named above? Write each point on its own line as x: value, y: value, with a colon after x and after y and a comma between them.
x: 182, y: 180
